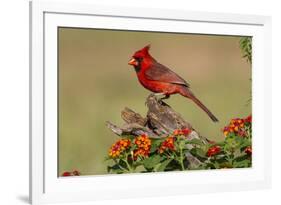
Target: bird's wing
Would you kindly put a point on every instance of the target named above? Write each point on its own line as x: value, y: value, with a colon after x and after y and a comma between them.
x: 159, y: 72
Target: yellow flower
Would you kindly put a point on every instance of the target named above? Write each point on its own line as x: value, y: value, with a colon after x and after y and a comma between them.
x: 168, y: 144
x: 143, y: 146
x: 119, y: 147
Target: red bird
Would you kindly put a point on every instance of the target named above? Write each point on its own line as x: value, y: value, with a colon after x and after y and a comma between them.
x: 160, y: 79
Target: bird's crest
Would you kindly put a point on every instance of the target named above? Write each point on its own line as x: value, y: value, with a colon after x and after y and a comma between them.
x: 145, y: 49
x: 142, y: 52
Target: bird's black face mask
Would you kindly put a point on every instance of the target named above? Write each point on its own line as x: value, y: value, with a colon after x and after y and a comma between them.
x: 138, y: 66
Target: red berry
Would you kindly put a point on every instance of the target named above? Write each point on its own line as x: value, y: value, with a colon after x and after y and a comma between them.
x: 66, y: 174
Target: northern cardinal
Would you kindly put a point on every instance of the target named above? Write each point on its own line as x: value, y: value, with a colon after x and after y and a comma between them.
x: 160, y: 79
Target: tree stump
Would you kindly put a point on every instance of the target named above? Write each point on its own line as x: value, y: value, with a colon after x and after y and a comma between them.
x: 160, y: 121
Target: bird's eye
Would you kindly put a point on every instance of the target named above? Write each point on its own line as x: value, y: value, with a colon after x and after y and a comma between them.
x: 139, y: 59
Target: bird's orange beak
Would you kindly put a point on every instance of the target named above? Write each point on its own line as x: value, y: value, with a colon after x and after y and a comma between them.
x: 133, y: 62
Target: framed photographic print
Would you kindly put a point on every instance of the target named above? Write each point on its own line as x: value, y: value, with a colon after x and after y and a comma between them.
x: 127, y: 103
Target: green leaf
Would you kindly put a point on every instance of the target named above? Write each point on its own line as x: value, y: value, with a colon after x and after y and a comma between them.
x: 246, y: 142
x: 115, y: 169
x: 241, y: 158
x: 221, y: 159
x: 198, y: 152
x: 123, y: 164
x: 246, y: 47
x: 152, y: 161
x: 226, y: 165
x: 232, y: 142
x: 242, y: 164
x: 216, y: 165
x: 195, y: 141
x: 155, y: 144
x: 163, y: 165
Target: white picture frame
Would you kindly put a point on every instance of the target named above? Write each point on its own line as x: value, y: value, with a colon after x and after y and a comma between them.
x: 46, y: 187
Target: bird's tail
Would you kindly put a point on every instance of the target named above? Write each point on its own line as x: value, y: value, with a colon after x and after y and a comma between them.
x: 187, y: 93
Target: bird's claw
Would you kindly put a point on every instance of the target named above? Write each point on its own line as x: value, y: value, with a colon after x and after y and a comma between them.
x: 161, y: 102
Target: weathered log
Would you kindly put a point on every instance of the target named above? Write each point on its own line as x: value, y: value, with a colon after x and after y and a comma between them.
x: 160, y: 121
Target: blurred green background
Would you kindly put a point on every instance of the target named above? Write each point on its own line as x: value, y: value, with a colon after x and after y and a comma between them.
x: 96, y: 83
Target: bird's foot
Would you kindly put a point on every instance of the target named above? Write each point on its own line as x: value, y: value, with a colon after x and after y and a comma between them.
x: 163, y: 103
x: 160, y: 100
x: 167, y: 96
